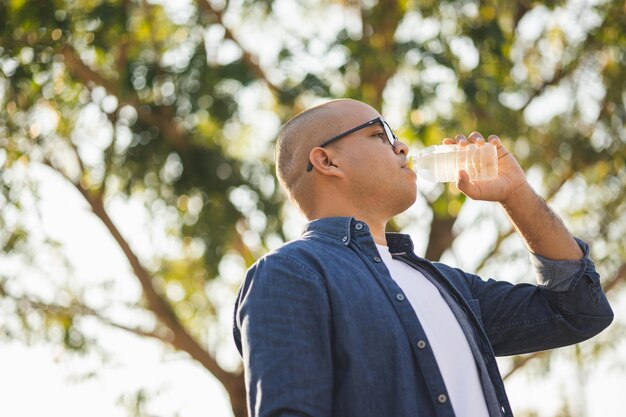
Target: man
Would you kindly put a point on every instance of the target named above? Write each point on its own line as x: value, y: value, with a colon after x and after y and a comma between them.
x: 347, y: 321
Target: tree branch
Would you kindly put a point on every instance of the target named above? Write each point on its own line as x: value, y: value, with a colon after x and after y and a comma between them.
x: 508, y: 232
x: 108, y: 156
x: 522, y: 360
x: 618, y: 277
x: 250, y: 60
x: 181, y: 339
x: 496, y: 246
x: 440, y: 237
x: 176, y: 136
x: 156, y: 45
x: 162, y: 118
x: 81, y: 310
x: 378, y: 65
x: 562, y: 71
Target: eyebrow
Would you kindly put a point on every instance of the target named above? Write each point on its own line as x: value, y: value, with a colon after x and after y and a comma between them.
x: 377, y: 121
x: 375, y: 127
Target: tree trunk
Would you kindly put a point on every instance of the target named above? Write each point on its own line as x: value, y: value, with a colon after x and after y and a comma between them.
x: 236, y: 389
x: 440, y: 238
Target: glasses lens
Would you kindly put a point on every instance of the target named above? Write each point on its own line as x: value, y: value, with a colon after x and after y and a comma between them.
x: 390, y: 136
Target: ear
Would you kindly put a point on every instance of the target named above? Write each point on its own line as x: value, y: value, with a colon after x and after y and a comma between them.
x: 323, y: 161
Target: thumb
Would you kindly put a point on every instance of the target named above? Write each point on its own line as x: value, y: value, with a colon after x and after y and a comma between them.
x: 463, y: 181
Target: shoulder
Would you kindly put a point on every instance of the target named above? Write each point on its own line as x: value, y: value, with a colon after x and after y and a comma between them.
x: 449, y: 271
x: 460, y: 279
x: 300, y: 259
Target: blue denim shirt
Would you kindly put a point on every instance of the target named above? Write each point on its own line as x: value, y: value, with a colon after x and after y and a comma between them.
x: 324, y: 330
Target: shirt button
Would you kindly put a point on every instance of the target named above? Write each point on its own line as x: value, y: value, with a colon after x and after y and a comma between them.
x: 442, y: 398
x: 400, y: 297
x: 421, y: 344
x: 345, y: 238
x: 359, y: 226
x: 377, y: 259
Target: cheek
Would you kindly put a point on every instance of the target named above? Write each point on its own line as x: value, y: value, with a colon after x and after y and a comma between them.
x: 375, y: 170
x: 369, y: 181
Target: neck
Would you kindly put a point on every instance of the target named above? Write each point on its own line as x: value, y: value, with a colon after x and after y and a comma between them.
x: 378, y: 232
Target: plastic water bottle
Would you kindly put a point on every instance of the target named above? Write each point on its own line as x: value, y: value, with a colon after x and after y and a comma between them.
x: 441, y: 163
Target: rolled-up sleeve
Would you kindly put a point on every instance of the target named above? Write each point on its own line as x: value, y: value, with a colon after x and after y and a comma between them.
x: 567, y: 306
x: 283, y: 331
x: 559, y: 275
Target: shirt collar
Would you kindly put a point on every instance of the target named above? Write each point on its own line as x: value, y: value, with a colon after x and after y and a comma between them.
x: 347, y: 228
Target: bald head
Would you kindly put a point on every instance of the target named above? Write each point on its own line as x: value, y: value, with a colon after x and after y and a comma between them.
x: 300, y: 135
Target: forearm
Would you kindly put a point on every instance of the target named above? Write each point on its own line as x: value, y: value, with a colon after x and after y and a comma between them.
x: 541, y: 229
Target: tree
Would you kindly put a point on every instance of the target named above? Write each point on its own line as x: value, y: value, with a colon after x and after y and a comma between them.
x: 173, y: 97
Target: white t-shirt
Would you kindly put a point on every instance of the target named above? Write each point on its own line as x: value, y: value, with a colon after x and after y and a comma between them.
x: 447, y: 340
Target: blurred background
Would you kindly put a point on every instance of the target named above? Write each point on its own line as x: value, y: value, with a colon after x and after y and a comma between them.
x: 137, y: 177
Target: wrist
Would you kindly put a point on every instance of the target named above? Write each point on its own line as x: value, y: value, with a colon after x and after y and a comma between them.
x: 519, y: 195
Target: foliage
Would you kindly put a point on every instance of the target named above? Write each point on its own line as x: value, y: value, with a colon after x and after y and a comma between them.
x: 176, y: 105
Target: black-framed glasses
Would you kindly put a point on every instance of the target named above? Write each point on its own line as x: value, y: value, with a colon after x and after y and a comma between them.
x: 391, y: 137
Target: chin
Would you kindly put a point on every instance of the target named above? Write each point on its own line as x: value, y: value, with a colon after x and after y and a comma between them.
x: 408, y: 204
x: 405, y: 200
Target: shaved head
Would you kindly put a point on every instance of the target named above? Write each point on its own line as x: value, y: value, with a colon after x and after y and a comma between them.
x: 299, y: 136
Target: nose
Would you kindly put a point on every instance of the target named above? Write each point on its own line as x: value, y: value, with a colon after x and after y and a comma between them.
x: 401, y: 148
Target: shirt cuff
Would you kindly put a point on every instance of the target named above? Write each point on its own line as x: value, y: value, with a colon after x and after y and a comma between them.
x: 558, y: 275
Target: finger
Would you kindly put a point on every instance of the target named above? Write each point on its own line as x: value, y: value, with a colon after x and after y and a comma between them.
x: 476, y: 137
x: 448, y: 141
x: 464, y: 184
x: 461, y: 140
x: 462, y: 181
x: 494, y: 140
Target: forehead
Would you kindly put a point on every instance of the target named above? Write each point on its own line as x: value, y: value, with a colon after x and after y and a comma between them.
x: 351, y: 113
x: 322, y: 122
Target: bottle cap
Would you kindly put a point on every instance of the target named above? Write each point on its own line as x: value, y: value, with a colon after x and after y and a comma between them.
x: 410, y: 161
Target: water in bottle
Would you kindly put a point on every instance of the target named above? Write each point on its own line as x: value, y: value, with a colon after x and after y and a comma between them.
x: 441, y: 163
